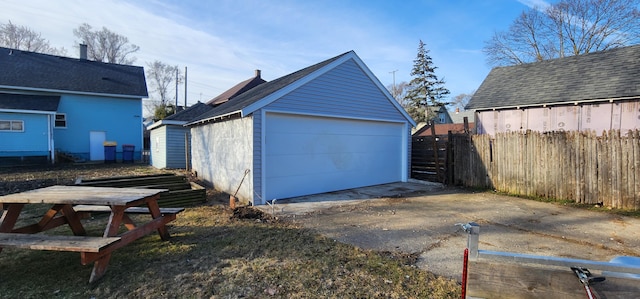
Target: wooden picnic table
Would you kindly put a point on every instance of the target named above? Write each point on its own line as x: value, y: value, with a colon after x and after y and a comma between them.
x: 62, y: 200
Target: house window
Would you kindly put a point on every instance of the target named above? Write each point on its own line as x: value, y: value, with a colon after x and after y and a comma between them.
x: 11, y: 126
x: 61, y: 120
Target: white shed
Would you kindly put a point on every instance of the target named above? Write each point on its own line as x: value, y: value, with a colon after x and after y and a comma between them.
x: 328, y: 127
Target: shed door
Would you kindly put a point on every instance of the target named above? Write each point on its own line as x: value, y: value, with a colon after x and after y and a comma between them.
x: 308, y: 155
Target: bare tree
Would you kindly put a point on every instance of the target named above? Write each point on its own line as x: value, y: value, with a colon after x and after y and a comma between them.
x: 569, y: 27
x: 23, y: 38
x: 460, y: 101
x: 162, y: 79
x: 399, y: 91
x: 106, y: 45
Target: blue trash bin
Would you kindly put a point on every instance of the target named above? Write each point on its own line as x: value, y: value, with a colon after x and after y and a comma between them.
x: 110, y: 151
x: 127, y: 153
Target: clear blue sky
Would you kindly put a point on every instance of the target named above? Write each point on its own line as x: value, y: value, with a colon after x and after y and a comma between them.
x: 222, y: 42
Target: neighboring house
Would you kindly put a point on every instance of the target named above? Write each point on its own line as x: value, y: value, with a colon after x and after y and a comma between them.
x: 456, y: 124
x: 440, y: 113
x: 457, y: 117
x: 237, y: 89
x: 591, y: 92
x: 170, y: 139
x: 328, y: 127
x: 443, y: 129
x: 441, y: 116
x: 52, y: 104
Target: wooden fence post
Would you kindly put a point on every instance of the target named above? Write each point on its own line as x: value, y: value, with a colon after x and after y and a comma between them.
x: 435, y: 152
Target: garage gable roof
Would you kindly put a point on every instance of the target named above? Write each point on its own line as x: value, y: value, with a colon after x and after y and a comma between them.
x: 607, y: 75
x: 266, y: 93
x: 24, y: 70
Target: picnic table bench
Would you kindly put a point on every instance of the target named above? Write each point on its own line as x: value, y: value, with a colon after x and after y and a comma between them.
x: 64, y: 199
x: 55, y: 242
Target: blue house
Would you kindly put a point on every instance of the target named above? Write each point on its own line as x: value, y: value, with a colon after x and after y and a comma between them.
x: 328, y: 127
x: 53, y: 105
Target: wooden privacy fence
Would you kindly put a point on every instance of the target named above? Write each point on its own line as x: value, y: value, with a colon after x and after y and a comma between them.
x: 576, y: 166
x: 429, y: 158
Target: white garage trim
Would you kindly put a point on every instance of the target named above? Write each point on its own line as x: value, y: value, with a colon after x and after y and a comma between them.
x: 309, y: 154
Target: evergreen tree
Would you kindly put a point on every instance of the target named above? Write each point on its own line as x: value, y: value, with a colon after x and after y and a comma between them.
x: 426, y: 93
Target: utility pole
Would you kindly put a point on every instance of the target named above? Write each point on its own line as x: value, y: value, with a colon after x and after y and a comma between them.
x: 394, y: 81
x: 185, y: 87
x: 176, y: 89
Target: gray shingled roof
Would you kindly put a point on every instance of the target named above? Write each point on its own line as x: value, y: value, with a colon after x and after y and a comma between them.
x: 458, y: 117
x: 32, y: 70
x: 259, y: 92
x: 29, y: 102
x: 612, y: 74
x: 190, y: 113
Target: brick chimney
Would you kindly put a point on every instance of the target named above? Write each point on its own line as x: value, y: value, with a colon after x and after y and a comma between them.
x: 258, y: 73
x: 83, y: 52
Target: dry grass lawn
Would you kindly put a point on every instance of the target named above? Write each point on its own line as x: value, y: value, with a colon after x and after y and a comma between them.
x: 214, y: 252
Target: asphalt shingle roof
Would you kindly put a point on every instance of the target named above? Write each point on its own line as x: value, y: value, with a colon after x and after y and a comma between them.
x: 610, y: 74
x: 237, y: 89
x: 259, y: 92
x: 32, y: 70
x: 190, y: 113
x: 29, y: 102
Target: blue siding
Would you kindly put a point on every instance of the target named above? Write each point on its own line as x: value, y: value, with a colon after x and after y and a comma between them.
x: 120, y: 118
x: 343, y: 91
x: 33, y: 141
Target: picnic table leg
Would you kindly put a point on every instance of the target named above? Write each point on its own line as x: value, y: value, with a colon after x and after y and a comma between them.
x: 154, y: 209
x: 99, y: 267
x: 115, y: 220
x: 73, y: 220
x: 128, y: 222
x: 9, y: 218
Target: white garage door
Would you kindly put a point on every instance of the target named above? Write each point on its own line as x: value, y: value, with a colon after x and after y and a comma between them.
x: 308, y: 155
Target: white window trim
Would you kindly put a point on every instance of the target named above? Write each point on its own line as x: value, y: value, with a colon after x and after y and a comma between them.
x: 11, y: 130
x: 55, y: 119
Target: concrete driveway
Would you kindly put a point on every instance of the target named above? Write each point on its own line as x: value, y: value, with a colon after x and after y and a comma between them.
x: 420, y: 218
